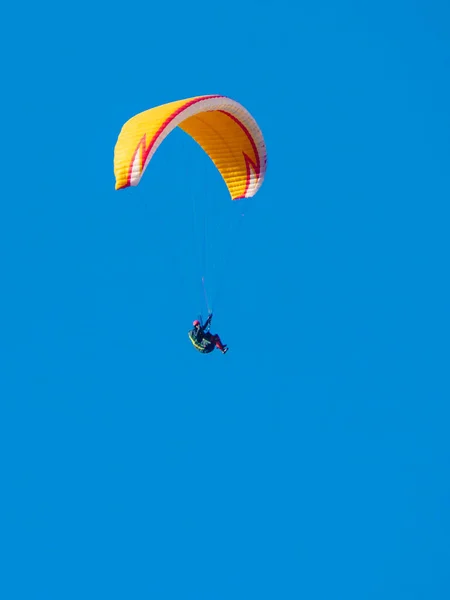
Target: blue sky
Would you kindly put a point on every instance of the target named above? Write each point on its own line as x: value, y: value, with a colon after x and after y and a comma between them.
x: 312, y: 460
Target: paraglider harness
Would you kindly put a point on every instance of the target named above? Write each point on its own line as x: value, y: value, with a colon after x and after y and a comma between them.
x: 201, y: 337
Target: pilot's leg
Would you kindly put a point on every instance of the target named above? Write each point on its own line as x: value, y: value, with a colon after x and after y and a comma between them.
x: 218, y: 343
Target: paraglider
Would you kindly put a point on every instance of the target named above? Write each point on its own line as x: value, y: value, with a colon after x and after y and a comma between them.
x: 203, y: 340
x: 228, y: 134
x: 224, y: 129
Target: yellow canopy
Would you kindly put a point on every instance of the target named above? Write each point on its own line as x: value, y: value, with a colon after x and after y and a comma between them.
x: 222, y: 127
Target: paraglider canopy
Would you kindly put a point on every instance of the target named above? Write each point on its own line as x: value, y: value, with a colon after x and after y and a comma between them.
x: 221, y: 126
